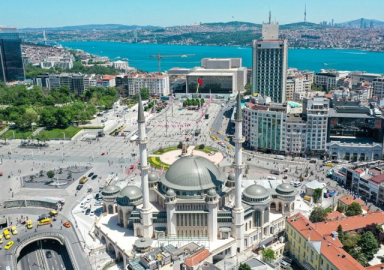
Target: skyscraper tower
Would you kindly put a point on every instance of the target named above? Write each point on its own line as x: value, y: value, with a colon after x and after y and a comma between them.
x: 146, y: 214
x: 11, y: 61
x: 305, y: 13
x: 238, y: 221
x: 269, y: 63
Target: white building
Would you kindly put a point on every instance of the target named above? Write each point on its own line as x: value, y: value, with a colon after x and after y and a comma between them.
x: 196, y: 199
x: 328, y: 79
x: 121, y: 65
x: 221, y: 77
x: 158, y: 85
x: 378, y: 87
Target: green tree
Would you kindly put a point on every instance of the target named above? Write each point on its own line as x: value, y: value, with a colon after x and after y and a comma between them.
x: 268, y: 254
x: 341, y: 208
x: 50, y: 174
x: 359, y: 256
x: 340, y: 232
x: 47, y: 117
x: 354, y: 209
x: 350, y: 241
x: 318, y: 214
x: 248, y: 89
x: 244, y: 266
x: 368, y: 245
x: 144, y: 92
x: 317, y: 195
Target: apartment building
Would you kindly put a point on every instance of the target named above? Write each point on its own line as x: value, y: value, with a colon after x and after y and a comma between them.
x: 328, y: 79
x: 158, y: 85
x: 378, y: 87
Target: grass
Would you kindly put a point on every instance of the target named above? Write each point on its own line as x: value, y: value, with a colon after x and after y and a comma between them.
x: 206, y: 149
x: 157, y: 163
x: 19, y: 133
x: 158, y: 152
x: 57, y: 133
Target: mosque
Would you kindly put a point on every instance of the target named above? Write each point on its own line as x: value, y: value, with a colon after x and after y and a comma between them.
x: 195, y: 198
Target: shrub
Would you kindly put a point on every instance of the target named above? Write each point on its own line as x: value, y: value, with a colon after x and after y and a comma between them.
x: 201, y: 146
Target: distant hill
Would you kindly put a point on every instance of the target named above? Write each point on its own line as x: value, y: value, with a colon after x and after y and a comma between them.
x: 233, y: 23
x: 301, y: 25
x: 91, y: 27
x: 366, y: 22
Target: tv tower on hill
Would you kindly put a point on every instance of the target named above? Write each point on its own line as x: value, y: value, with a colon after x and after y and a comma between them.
x: 305, y: 13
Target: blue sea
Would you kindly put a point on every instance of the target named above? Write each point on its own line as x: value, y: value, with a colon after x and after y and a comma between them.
x: 304, y: 59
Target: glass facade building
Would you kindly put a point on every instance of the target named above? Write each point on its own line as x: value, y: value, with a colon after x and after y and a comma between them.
x: 212, y: 84
x: 11, y: 62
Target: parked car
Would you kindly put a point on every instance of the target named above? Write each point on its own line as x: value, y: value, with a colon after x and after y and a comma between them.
x: 94, y: 177
x: 79, y: 186
x: 48, y: 254
x: 66, y: 224
x: 90, y: 175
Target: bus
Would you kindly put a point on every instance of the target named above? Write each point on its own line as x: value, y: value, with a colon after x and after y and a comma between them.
x: 44, y: 222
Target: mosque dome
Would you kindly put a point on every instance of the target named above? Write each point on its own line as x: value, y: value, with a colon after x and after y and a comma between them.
x: 193, y: 174
x: 129, y: 195
x: 212, y: 193
x: 153, y: 178
x: 231, y: 177
x: 110, y: 191
x: 285, y: 188
x: 255, y: 193
x: 170, y: 193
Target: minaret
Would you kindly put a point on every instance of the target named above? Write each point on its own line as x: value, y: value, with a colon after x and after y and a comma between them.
x: 238, y: 166
x: 146, y: 214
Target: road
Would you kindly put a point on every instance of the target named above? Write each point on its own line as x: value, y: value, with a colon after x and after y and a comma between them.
x: 59, y: 256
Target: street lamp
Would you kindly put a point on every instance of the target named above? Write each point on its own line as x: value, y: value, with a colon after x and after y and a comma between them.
x: 13, y: 134
x: 64, y: 135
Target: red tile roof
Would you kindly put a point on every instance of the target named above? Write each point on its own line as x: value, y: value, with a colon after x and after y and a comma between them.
x: 348, y: 200
x: 334, y: 215
x: 359, y: 171
x: 197, y: 258
x: 376, y: 267
x: 108, y: 77
x: 378, y: 179
x: 331, y: 249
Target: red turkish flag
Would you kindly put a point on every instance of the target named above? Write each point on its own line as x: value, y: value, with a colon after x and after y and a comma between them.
x: 200, y: 81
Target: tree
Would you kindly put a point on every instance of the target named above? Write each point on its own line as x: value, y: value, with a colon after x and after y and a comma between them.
x: 318, y: 214
x: 340, y: 232
x: 268, y: 254
x: 317, y: 195
x: 354, y: 209
x: 50, y: 174
x: 201, y: 146
x: 248, y: 89
x: 47, y: 117
x: 144, y: 92
x: 368, y: 245
x: 244, y: 266
x: 350, y: 241
x: 341, y: 208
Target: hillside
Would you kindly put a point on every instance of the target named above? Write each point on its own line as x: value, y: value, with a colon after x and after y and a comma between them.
x: 88, y: 27
x: 356, y: 23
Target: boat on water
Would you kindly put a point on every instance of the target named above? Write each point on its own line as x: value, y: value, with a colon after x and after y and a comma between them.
x: 325, y: 64
x: 118, y: 57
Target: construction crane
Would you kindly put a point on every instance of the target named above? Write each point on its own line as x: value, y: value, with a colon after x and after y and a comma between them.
x: 159, y: 57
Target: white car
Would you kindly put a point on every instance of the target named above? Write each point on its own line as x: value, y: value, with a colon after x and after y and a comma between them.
x: 271, y: 178
x: 296, y: 184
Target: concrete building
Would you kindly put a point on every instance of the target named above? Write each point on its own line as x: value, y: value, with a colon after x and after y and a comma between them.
x: 316, y: 113
x: 158, y: 85
x: 222, y: 78
x: 328, y: 79
x: 121, y: 65
x: 358, y: 76
x: 378, y: 87
x: 269, y: 64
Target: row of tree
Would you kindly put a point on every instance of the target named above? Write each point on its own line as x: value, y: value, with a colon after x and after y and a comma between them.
x: 193, y: 102
x: 319, y: 214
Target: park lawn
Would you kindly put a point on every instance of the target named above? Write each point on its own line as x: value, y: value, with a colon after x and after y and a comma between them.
x: 157, y: 163
x: 167, y: 149
x: 206, y: 149
x: 19, y: 133
x: 57, y: 133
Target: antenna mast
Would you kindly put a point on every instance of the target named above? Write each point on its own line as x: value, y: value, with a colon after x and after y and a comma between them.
x: 305, y: 13
x: 270, y: 17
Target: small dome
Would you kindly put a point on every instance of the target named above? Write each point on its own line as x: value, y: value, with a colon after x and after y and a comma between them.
x: 285, y: 188
x: 170, y: 193
x: 212, y: 193
x: 152, y: 178
x: 129, y: 195
x: 256, y: 193
x: 231, y: 177
x: 110, y: 190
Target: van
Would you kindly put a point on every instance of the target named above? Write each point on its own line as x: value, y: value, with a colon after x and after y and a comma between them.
x: 279, y: 157
x: 307, y: 198
x: 29, y: 224
x: 44, y: 222
x: 7, y: 234
x: 284, y: 264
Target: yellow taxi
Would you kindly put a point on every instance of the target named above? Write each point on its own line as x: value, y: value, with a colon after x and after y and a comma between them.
x: 217, y: 138
x: 329, y: 164
x: 9, y: 245
x: 218, y: 132
x: 226, y: 139
x: 1, y: 238
x: 229, y: 147
x: 29, y: 224
x: 14, y: 230
x: 211, y: 129
x: 7, y: 234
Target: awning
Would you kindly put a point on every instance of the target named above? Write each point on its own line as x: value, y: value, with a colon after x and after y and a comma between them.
x: 266, y: 241
x: 160, y: 229
x: 225, y: 229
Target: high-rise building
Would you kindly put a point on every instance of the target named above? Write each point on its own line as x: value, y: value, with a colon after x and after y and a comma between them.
x: 269, y: 63
x: 11, y: 62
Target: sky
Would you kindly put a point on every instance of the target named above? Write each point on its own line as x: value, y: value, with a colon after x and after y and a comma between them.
x: 53, y: 13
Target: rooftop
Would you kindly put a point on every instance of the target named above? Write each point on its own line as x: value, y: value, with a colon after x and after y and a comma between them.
x: 198, y: 257
x: 378, y: 179
x: 349, y: 199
